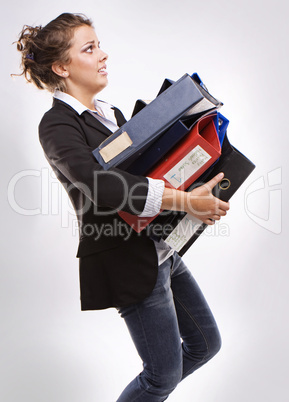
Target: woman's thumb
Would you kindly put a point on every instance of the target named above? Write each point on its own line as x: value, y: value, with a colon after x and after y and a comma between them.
x: 215, y: 180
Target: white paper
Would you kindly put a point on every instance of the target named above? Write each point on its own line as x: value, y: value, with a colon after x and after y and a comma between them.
x: 187, y: 166
x: 183, y: 232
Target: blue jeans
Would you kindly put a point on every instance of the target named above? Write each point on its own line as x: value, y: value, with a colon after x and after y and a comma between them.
x: 173, y: 330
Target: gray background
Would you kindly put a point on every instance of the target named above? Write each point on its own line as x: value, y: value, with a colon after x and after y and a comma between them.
x: 53, y: 352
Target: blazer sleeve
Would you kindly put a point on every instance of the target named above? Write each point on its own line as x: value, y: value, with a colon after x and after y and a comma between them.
x: 66, y: 149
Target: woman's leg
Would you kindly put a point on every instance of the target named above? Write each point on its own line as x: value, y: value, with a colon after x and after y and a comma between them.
x: 198, y: 329
x: 154, y: 329
x: 175, y: 309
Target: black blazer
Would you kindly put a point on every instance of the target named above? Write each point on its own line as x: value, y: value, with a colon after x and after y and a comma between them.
x: 117, y: 266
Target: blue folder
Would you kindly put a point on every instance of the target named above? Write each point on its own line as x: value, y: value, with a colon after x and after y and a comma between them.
x: 183, y: 97
x: 221, y: 124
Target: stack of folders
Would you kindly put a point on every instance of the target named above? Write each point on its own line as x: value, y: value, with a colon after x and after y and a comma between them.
x: 181, y: 138
x: 181, y: 99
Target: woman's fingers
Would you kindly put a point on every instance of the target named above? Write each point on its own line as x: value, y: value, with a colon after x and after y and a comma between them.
x: 222, y: 212
x: 214, y: 181
x: 223, y: 205
x: 209, y: 221
x: 204, y: 205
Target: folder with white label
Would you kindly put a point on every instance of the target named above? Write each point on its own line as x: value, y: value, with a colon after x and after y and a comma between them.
x: 185, y: 97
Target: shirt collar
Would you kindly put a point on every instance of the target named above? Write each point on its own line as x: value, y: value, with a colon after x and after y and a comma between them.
x: 105, y: 107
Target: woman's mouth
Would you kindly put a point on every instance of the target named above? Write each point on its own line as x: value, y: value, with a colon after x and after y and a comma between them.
x: 102, y: 71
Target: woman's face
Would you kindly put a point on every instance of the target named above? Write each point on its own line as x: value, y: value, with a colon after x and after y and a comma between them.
x: 86, y: 71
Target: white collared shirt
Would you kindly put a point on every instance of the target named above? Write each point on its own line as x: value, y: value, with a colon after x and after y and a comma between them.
x: 104, y: 111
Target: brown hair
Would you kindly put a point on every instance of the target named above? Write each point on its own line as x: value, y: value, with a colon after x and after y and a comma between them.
x: 42, y: 47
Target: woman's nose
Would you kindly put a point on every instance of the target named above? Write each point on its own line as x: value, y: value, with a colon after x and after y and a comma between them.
x: 103, y: 56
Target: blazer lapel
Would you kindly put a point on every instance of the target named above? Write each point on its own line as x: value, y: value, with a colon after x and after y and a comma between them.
x: 119, y: 116
x: 92, y: 121
x: 96, y: 124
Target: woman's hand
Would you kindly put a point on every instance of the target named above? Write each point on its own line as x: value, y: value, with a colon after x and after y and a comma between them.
x: 200, y: 202
x: 204, y: 205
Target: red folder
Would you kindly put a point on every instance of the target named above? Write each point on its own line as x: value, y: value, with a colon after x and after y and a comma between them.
x: 192, y: 156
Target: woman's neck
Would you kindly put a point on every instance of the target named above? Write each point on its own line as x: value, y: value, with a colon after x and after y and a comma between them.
x: 87, y: 99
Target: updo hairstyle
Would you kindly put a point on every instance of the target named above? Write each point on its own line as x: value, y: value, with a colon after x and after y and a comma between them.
x: 41, y: 47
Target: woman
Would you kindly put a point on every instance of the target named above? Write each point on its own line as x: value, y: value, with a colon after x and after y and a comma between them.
x: 167, y: 316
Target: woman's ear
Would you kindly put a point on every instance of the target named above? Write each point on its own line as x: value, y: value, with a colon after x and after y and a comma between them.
x: 60, y: 70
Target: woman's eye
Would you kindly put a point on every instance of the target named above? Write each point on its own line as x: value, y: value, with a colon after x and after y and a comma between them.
x: 89, y: 49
